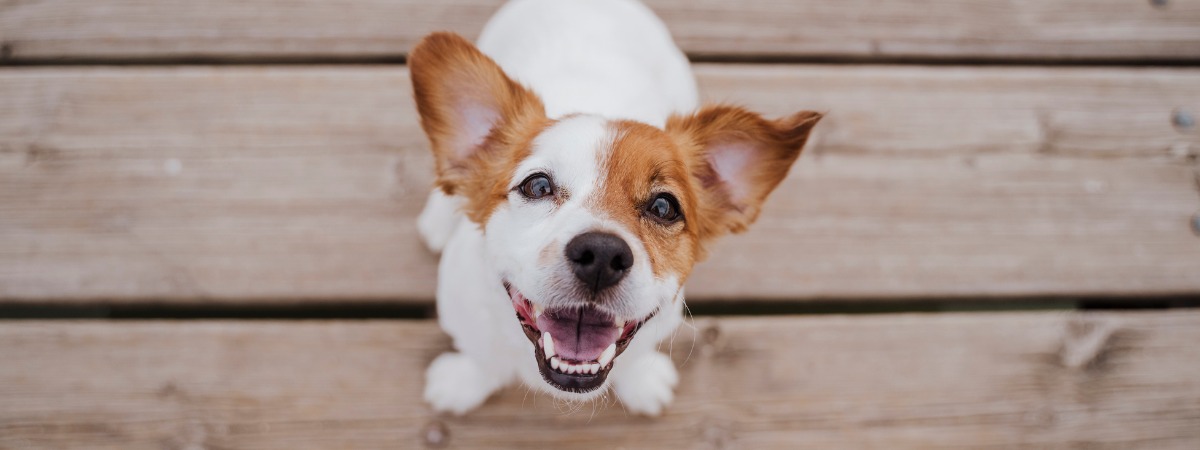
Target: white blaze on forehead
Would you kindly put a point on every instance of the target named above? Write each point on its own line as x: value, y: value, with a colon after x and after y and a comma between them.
x: 570, y: 151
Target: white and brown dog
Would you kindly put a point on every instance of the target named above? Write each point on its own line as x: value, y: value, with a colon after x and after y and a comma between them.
x: 576, y: 188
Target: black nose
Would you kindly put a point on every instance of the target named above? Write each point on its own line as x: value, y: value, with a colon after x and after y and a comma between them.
x: 600, y: 259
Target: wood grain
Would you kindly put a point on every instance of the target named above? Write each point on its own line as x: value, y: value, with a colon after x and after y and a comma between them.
x: 1027, y: 380
x: 58, y: 30
x: 301, y: 184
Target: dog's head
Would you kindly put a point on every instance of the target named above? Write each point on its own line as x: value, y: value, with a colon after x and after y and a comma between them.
x: 592, y: 224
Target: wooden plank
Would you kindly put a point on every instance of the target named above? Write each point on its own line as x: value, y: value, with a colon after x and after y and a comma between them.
x: 1022, y: 380
x: 301, y: 184
x: 859, y: 29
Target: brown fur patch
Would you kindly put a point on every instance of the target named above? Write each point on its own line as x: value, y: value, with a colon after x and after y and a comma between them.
x: 487, y: 186
x: 457, y: 87
x: 644, y: 162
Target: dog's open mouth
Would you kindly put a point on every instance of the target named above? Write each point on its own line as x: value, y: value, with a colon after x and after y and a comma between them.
x: 575, y: 347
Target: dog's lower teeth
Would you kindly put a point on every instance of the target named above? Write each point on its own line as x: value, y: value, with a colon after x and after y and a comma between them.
x: 619, y: 323
x: 568, y: 368
x: 593, y: 368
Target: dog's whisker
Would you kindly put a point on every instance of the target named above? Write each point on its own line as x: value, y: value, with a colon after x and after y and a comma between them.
x: 690, y: 321
x: 526, y: 395
x: 593, y: 416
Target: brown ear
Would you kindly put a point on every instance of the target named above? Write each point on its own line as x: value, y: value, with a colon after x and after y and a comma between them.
x: 737, y: 159
x: 465, y: 101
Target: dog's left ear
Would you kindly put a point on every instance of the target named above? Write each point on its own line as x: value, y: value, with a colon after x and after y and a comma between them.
x: 736, y: 159
x: 469, y: 108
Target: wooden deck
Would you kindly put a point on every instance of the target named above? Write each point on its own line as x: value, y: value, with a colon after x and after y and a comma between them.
x: 894, y: 381
x: 173, y: 156
x: 172, y: 30
x: 303, y: 183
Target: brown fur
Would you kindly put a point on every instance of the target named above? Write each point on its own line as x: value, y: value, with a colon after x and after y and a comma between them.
x: 776, y: 145
x: 644, y: 162
x: 448, y: 72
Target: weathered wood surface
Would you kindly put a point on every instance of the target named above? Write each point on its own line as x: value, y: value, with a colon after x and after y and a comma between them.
x: 301, y: 184
x: 1033, y: 380
x: 1057, y: 30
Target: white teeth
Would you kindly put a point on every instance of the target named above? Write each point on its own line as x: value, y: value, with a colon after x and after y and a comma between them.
x: 537, y: 311
x: 620, y: 323
x: 608, y: 355
x: 548, y: 344
x: 593, y: 368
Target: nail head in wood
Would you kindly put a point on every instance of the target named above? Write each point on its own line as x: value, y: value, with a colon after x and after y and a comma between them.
x: 1158, y: 3
x: 1183, y: 119
x: 1196, y: 224
x: 435, y: 435
x: 711, y: 333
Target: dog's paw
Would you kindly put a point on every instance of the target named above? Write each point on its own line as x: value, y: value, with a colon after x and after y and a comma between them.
x: 647, y: 385
x: 438, y: 220
x: 454, y: 383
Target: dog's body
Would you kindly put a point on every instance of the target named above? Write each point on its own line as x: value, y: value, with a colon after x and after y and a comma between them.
x: 583, y: 215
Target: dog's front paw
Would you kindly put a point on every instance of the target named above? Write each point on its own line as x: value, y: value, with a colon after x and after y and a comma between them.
x: 647, y: 384
x: 454, y: 383
x: 438, y: 220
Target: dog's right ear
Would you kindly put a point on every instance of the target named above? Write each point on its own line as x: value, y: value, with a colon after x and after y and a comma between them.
x: 468, y: 105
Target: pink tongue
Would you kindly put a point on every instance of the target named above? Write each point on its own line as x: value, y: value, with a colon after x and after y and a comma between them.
x: 579, y: 335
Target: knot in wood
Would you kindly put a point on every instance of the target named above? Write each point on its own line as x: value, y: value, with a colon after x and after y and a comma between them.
x: 1085, y: 342
x: 711, y: 334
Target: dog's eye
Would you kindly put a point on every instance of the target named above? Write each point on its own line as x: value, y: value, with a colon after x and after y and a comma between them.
x: 664, y: 208
x: 536, y: 186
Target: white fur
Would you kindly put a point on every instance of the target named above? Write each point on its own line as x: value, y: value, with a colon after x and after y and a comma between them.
x: 612, y: 58
x: 439, y: 219
x: 604, y: 60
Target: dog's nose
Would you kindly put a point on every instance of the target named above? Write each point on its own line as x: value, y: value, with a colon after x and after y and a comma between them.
x: 599, y: 259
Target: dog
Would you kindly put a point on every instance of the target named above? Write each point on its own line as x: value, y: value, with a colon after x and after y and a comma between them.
x: 577, y: 183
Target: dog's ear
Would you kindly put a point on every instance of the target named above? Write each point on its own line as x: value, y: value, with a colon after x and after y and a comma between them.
x: 736, y: 159
x: 467, y: 105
